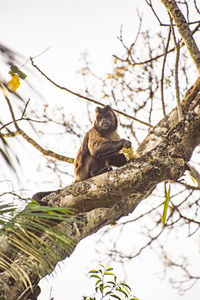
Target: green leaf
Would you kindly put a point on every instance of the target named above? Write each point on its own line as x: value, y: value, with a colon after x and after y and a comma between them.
x: 115, y: 296
x: 107, y: 286
x: 93, y: 271
x: 193, y: 180
x: 108, y: 273
x: 15, y: 70
x: 112, y: 282
x: 126, y: 286
x: 109, y: 269
x: 95, y: 276
x: 108, y: 293
x: 101, y: 287
x: 122, y: 291
x: 97, y: 282
x: 166, y: 206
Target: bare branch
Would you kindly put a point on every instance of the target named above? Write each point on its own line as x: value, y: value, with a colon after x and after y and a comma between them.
x: 178, y: 102
x: 163, y: 73
x: 184, y: 31
x: 19, y: 131
x: 87, y: 98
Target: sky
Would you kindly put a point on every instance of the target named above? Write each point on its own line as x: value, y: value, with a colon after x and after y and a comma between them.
x: 69, y: 28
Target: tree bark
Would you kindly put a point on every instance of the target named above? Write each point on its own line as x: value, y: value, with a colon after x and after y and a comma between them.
x: 184, y: 31
x: 104, y: 199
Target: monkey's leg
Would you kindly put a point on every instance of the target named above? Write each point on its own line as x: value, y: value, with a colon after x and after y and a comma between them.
x: 100, y: 171
x: 117, y: 160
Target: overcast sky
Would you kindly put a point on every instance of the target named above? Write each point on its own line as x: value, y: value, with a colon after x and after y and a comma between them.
x: 69, y: 28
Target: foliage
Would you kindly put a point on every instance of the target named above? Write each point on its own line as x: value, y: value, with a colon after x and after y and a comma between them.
x: 22, y: 231
x: 107, y: 285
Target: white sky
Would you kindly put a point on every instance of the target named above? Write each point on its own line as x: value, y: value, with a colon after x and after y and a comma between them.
x: 69, y: 28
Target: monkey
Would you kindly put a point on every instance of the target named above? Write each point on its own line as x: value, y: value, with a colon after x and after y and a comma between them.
x: 99, y: 151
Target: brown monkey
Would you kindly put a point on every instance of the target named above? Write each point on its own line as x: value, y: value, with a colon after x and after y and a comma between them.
x: 100, y: 149
x: 101, y: 145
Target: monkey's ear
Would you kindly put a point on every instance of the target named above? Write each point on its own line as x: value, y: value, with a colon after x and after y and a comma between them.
x: 107, y: 107
x: 98, y: 110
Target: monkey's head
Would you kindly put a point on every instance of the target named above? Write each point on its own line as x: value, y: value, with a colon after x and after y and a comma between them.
x: 105, y: 119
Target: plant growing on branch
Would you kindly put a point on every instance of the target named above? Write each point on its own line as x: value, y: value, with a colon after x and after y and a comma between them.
x: 107, y: 285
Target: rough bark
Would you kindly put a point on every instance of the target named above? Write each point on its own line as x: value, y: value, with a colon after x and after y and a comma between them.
x: 184, y: 30
x: 104, y: 199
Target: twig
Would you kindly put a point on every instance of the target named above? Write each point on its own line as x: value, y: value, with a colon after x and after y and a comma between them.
x: 184, y: 30
x: 178, y: 101
x: 155, y: 57
x: 163, y: 72
x: 19, y: 131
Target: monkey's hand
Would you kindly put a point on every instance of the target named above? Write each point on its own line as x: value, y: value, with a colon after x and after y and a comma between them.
x: 125, y: 143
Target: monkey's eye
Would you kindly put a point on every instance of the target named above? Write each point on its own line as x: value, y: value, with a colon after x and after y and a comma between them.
x: 99, y: 117
x: 105, y: 116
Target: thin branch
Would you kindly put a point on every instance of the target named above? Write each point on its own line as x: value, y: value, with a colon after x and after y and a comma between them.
x: 10, y: 134
x: 25, y: 108
x: 87, y: 98
x: 18, y: 120
x: 196, y: 7
x: 29, y: 139
x: 149, y: 3
x: 157, y: 56
x: 184, y: 31
x: 178, y: 101
x: 163, y: 72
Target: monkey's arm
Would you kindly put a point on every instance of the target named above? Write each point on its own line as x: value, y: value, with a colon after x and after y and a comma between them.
x: 101, y: 147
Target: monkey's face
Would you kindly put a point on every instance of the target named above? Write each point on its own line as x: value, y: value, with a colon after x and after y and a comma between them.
x: 105, y: 119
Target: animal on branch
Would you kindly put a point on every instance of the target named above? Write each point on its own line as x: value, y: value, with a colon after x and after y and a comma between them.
x: 100, y: 149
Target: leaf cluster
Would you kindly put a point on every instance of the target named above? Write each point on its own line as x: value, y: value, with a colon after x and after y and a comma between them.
x: 107, y: 285
x: 22, y: 232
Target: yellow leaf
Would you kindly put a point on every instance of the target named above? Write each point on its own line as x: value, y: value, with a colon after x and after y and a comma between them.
x: 166, y: 206
x: 119, y: 72
x: 14, y: 83
x: 110, y: 76
x: 129, y: 153
x: 193, y: 179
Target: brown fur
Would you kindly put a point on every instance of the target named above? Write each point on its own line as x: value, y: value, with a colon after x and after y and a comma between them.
x: 100, y: 147
x: 99, y: 151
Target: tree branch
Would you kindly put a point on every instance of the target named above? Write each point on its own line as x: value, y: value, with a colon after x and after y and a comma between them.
x: 19, y: 131
x: 184, y: 31
x: 87, y: 98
